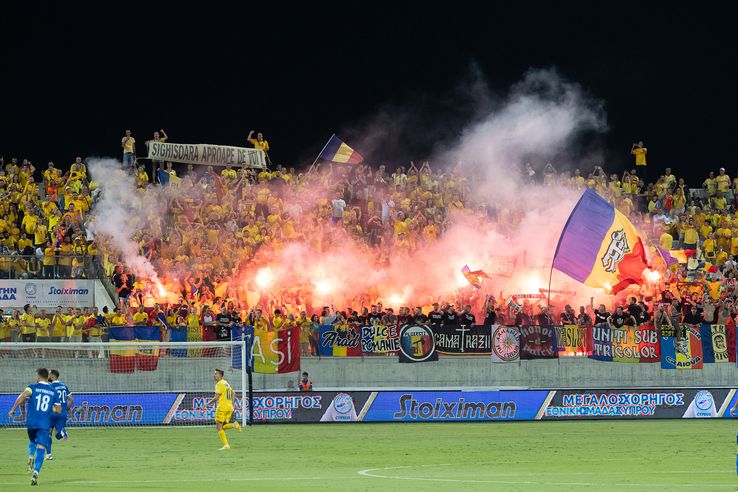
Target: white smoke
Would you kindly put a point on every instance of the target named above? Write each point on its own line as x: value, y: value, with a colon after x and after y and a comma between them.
x: 541, y: 116
x: 120, y: 212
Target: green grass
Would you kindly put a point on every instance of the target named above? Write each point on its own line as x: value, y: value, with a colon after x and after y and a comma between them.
x: 593, y: 456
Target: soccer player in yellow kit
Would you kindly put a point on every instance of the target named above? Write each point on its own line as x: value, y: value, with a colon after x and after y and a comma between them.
x: 224, y: 410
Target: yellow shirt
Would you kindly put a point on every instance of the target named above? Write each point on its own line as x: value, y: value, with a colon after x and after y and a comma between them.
x: 710, y: 186
x: 4, y: 331
x: 724, y: 235
x: 78, y: 322
x: 27, y: 324
x: 709, y: 247
x: 400, y: 227
x: 65, y: 254
x: 22, y: 243
x: 723, y: 183
x: 277, y: 322
x: 721, y: 257
x: 260, y: 324
x: 225, y: 398
x: 59, y: 328
x: 29, y: 223
x: 690, y: 235
x: 140, y: 319
x: 263, y: 145
x: 666, y: 241
x: 42, y: 327
x: 734, y: 246
x: 128, y: 143
x: 119, y: 320
x: 40, y: 234
x: 50, y: 259
x: 640, y: 155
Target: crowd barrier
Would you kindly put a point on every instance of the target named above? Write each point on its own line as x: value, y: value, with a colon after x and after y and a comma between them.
x: 189, y: 408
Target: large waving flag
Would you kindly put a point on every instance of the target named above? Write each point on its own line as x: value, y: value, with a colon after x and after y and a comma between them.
x: 599, y: 246
x: 337, y: 151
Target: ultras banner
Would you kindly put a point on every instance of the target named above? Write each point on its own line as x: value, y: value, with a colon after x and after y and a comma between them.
x: 463, y: 339
x: 207, y: 154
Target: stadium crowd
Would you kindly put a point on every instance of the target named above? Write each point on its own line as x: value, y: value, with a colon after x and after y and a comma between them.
x: 42, y: 227
x: 216, y: 224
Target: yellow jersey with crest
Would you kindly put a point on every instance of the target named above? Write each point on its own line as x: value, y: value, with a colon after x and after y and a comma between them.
x: 225, y: 401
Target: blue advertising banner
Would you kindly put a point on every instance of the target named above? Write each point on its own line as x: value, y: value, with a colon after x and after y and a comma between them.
x: 390, y: 406
x: 107, y: 409
x: 187, y: 408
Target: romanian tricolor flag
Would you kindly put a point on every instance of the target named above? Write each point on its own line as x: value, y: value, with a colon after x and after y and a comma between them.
x: 147, y: 358
x: 474, y: 277
x: 599, y: 246
x: 122, y: 359
x: 337, y: 151
x: 339, y: 341
x: 276, y: 352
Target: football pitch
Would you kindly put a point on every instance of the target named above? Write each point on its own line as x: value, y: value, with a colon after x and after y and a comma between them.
x: 593, y: 455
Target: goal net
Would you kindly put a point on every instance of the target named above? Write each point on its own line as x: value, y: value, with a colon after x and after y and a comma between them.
x: 129, y: 383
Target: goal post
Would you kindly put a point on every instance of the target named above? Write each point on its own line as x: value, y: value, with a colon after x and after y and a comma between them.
x: 134, y: 383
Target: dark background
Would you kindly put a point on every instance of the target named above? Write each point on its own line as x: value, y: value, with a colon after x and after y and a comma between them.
x: 75, y: 76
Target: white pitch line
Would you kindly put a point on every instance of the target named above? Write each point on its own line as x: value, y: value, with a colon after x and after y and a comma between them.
x: 368, y: 473
x: 177, y: 480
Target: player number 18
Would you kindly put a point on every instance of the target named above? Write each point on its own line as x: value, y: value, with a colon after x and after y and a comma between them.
x: 42, y: 403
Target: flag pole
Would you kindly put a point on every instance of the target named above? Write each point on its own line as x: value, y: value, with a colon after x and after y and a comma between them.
x: 321, y: 151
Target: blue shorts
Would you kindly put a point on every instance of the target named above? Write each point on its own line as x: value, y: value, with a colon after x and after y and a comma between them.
x: 40, y: 436
x: 58, y: 423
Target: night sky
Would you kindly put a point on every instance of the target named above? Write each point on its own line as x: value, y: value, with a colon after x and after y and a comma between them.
x: 75, y: 76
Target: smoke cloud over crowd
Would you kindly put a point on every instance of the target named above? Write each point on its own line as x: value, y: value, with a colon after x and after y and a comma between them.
x: 310, y: 260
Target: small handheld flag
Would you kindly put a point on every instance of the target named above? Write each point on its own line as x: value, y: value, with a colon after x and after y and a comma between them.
x: 474, y: 277
x: 600, y: 247
x: 337, y: 151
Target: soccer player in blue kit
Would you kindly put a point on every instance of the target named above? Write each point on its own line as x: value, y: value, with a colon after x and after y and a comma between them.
x: 43, y: 401
x: 59, y: 420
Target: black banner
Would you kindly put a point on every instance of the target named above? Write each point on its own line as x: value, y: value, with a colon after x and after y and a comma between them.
x: 537, y: 342
x: 463, y: 339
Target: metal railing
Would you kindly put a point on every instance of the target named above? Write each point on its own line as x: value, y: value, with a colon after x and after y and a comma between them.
x: 13, y: 266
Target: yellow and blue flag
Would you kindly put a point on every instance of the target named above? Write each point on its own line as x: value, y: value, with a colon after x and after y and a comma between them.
x: 337, y: 151
x: 600, y: 247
